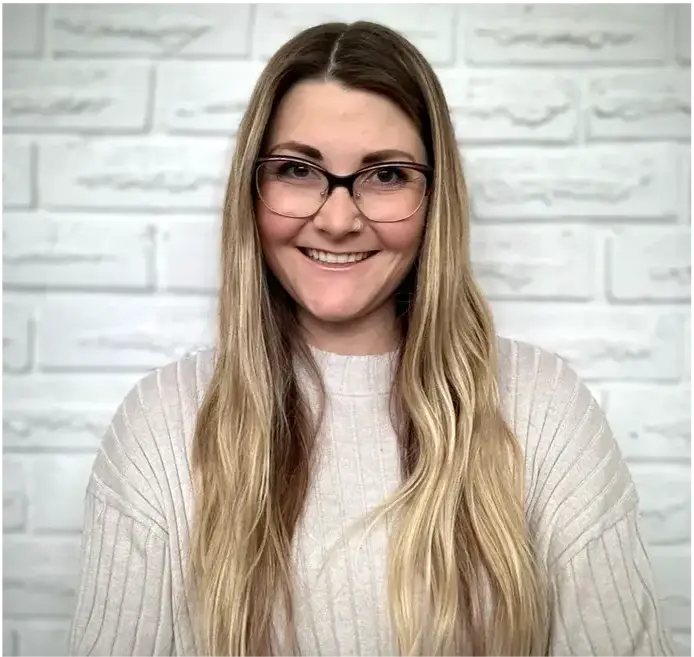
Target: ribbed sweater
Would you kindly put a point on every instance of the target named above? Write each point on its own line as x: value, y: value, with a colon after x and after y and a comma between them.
x: 580, y: 501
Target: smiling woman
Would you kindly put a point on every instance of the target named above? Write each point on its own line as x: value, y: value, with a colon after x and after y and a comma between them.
x: 358, y: 384
x: 366, y: 208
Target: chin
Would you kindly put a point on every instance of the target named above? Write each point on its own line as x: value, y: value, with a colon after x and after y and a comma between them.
x: 333, y: 316
x: 333, y: 313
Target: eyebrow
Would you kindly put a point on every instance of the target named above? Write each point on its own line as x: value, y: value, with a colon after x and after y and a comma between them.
x: 374, y: 157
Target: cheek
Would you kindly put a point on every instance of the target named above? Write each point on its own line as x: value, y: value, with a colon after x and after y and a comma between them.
x: 402, y: 238
x: 275, y: 231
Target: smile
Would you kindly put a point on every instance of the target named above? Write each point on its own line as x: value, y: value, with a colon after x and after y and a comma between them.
x: 329, y: 258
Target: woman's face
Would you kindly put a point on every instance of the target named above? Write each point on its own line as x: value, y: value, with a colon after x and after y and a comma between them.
x: 341, y: 130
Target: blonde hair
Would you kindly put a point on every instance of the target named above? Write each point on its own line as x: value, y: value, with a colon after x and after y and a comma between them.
x: 462, y: 576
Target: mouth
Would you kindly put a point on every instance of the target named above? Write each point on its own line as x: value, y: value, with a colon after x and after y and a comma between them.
x: 336, y: 260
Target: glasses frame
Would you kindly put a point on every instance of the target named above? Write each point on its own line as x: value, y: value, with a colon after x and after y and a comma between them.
x: 348, y: 181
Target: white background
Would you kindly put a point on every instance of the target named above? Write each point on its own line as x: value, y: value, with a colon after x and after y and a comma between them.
x: 574, y: 124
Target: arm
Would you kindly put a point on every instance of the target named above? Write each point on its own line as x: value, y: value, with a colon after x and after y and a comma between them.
x: 124, y: 595
x: 583, y: 513
x: 604, y: 598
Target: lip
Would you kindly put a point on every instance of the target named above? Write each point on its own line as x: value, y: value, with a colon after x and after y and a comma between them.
x: 334, y: 266
x: 316, y: 248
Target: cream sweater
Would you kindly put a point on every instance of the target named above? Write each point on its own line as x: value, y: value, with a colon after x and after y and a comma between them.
x: 581, y: 507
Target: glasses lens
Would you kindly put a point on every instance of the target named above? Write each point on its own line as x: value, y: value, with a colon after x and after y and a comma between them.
x: 289, y: 188
x: 390, y: 193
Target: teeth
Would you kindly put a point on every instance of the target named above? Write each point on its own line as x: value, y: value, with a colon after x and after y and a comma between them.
x: 324, y: 256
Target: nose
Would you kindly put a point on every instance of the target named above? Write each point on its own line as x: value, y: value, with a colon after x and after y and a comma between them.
x: 339, y: 216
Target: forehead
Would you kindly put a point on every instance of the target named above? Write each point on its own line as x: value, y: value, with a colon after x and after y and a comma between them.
x: 343, y: 123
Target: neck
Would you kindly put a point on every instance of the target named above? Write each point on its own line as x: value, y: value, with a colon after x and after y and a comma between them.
x: 375, y: 333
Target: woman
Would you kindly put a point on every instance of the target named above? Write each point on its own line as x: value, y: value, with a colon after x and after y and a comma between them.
x: 360, y: 466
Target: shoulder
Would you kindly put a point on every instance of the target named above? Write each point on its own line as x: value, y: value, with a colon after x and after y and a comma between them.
x: 144, y: 453
x: 537, y: 385
x: 539, y: 390
x: 177, y: 386
x: 577, y: 483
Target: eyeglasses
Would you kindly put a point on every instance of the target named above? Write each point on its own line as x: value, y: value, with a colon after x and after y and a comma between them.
x: 386, y: 192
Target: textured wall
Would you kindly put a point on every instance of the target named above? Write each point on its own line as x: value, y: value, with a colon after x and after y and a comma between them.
x: 574, y: 123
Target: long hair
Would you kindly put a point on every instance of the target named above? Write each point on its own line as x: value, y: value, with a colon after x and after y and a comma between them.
x: 462, y: 578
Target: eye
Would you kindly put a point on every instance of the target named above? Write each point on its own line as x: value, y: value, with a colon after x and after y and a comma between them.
x: 390, y: 175
x: 291, y: 172
x: 385, y: 177
x: 294, y: 170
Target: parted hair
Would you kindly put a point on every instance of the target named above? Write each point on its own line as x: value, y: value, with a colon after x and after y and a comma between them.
x: 462, y: 578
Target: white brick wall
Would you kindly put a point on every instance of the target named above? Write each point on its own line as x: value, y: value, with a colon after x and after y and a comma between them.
x: 119, y: 122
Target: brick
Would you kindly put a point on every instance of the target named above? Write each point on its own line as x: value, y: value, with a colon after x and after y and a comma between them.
x: 601, y: 343
x: 21, y: 30
x: 673, y: 575
x: 40, y: 575
x: 568, y: 35
x: 685, y: 200
x: 534, y: 263
x: 682, y: 644
x: 120, y: 333
x: 651, y: 423
x: 650, y: 264
x: 10, y: 640
x: 665, y: 502
x: 55, y: 428
x: 653, y: 104
x: 61, y: 251
x: 687, y: 340
x: 505, y: 106
x: 87, y: 96
x: 54, y: 391
x: 17, y: 337
x: 56, y: 507
x: 429, y: 27
x: 43, y: 637
x: 683, y: 32
x: 61, y: 411
x: 17, y: 184
x: 607, y: 182
x: 160, y: 173
x: 15, y: 498
x: 151, y: 30
x: 210, y: 97
x: 609, y: 13
x: 479, y: 11
x: 193, y: 241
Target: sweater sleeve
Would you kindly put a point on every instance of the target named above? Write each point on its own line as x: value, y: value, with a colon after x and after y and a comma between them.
x: 583, y: 511
x: 124, y: 600
x: 604, y: 598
